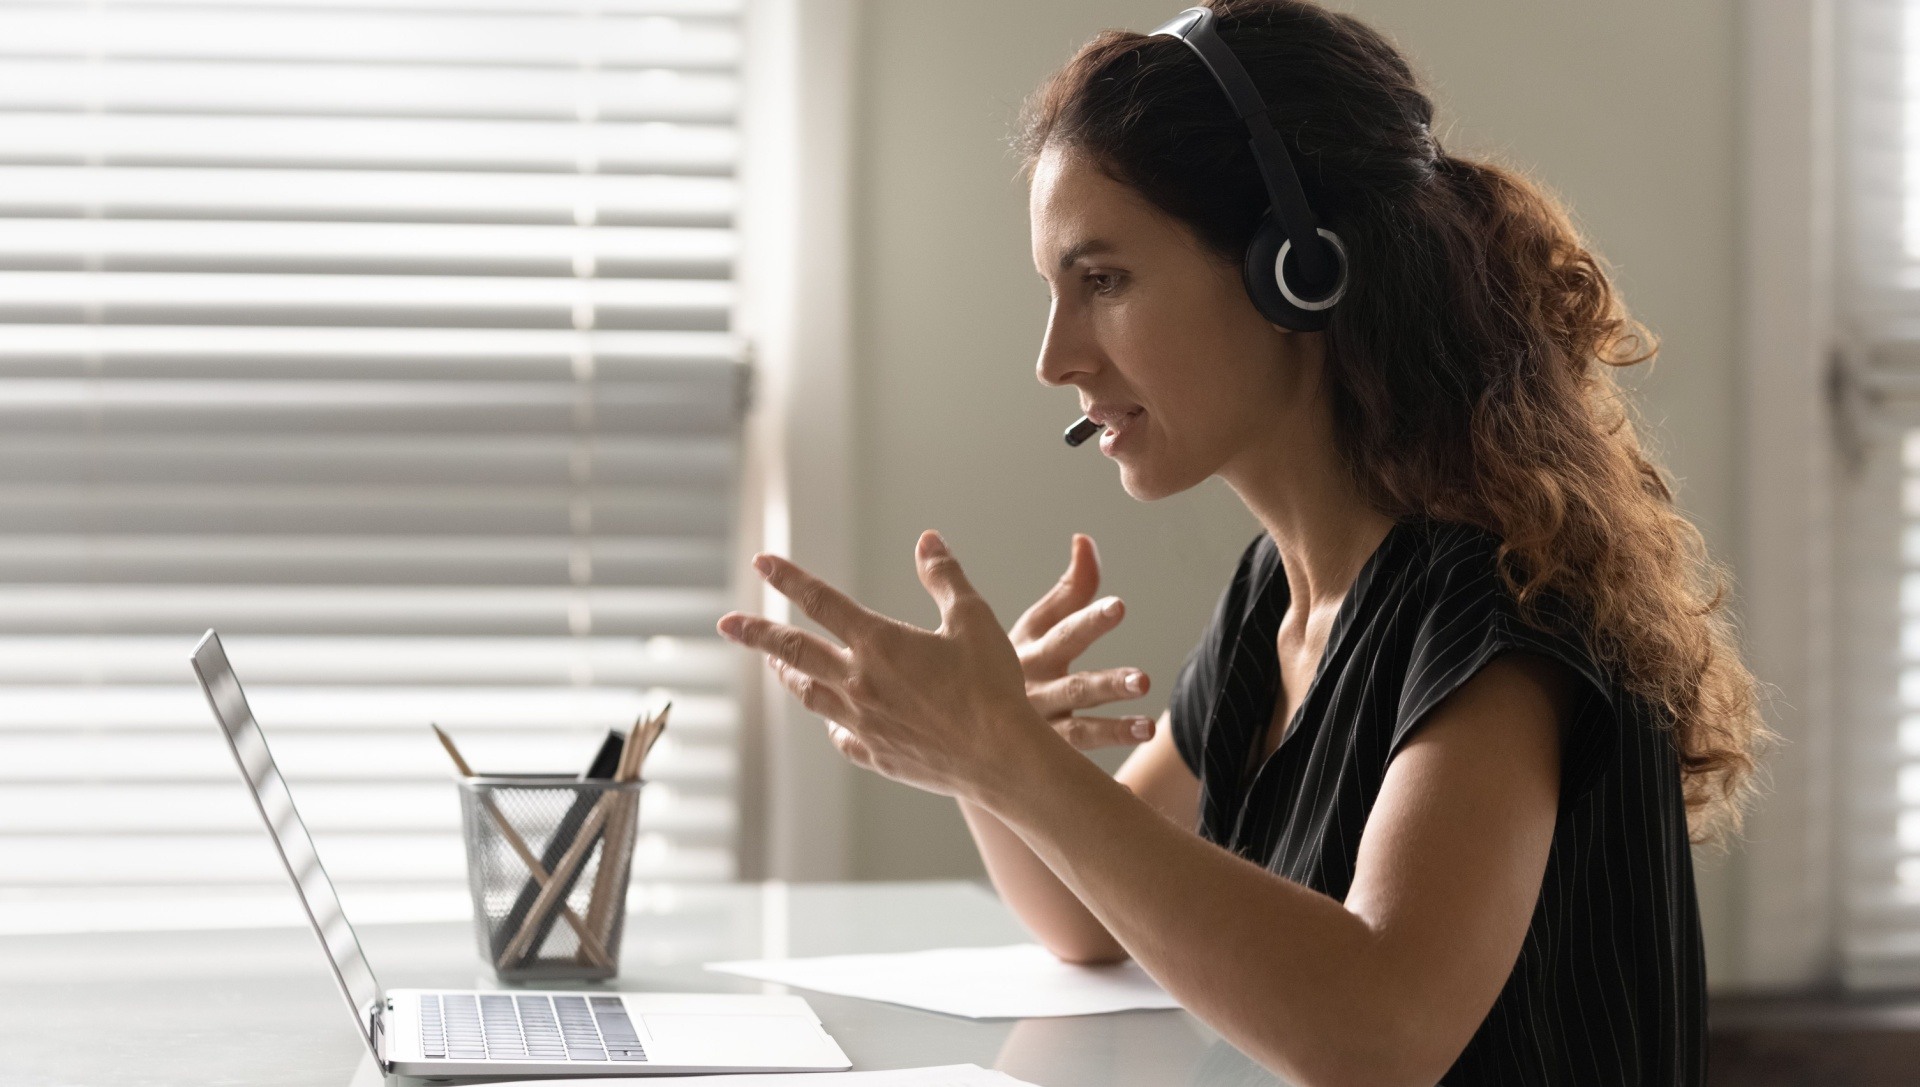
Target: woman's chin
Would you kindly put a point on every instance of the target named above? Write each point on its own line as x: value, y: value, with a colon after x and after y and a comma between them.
x: 1145, y: 485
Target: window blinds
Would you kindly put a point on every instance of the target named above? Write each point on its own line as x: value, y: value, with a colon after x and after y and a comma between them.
x: 392, y: 339
x: 1878, y: 538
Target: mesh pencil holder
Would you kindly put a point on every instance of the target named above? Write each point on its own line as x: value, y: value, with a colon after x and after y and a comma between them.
x: 548, y: 857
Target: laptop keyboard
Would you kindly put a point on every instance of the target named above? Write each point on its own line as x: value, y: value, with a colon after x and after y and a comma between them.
x: 527, y: 1026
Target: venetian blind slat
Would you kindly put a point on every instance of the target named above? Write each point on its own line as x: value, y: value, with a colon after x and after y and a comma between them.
x: 364, y: 195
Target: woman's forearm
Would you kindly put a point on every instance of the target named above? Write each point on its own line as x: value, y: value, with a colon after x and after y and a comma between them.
x: 1280, y: 970
x: 1055, y: 916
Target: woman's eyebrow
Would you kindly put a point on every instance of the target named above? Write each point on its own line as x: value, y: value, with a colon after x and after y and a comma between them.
x: 1084, y: 249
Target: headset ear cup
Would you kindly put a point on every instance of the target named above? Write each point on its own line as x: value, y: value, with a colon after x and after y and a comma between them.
x: 1264, y: 288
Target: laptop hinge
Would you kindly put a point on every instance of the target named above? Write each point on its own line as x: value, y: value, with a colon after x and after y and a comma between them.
x: 377, y: 1030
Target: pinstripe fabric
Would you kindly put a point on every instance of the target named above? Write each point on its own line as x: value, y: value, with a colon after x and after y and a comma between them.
x: 1610, y: 984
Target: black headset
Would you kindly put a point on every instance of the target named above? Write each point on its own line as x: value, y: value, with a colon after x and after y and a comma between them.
x: 1295, y: 269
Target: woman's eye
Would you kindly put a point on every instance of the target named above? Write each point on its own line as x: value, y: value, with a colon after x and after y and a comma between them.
x: 1103, y: 282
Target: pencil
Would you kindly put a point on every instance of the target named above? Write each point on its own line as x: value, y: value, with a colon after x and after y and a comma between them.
x: 616, y: 853
x: 453, y: 752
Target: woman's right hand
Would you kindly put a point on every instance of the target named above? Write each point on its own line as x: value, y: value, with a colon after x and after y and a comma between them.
x: 1058, y: 628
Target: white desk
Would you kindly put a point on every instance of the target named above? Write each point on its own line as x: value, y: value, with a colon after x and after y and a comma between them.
x: 257, y: 1007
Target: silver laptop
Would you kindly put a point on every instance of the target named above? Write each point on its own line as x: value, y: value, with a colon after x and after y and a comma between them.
x: 420, y: 1032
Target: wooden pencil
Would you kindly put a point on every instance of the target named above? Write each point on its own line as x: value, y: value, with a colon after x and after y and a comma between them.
x: 616, y: 854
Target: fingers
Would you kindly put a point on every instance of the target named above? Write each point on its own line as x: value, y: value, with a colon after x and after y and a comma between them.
x: 828, y: 702
x: 1087, y: 733
x: 808, y: 652
x: 817, y: 696
x: 851, y: 747
x: 1071, y: 636
x: 1083, y: 689
x: 1074, y: 589
x: 944, y: 580
x: 824, y: 604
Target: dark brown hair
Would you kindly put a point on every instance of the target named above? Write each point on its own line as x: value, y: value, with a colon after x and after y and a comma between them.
x: 1470, y: 365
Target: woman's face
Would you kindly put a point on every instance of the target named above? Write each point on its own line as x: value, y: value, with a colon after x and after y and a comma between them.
x: 1156, y: 332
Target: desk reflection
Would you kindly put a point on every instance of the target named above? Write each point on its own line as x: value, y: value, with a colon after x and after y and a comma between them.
x: 1129, y: 1049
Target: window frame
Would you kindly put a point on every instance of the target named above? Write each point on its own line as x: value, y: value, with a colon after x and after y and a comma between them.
x: 1785, y: 869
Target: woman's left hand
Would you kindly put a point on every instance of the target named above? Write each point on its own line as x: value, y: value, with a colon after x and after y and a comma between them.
x: 945, y: 710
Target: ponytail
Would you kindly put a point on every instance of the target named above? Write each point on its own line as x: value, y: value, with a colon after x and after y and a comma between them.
x: 1551, y: 464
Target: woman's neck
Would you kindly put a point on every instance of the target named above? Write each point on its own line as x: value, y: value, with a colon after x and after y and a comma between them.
x: 1295, y: 485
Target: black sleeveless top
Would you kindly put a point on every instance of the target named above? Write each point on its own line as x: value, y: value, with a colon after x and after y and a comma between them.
x: 1610, y: 985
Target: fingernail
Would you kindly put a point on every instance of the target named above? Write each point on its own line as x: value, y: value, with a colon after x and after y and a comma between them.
x: 1136, y: 683
x: 936, y: 545
x: 729, y: 625
x: 1112, y: 609
x: 1143, y: 728
x: 764, y: 564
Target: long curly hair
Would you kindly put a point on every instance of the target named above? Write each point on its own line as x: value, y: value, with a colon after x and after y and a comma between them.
x: 1471, y: 363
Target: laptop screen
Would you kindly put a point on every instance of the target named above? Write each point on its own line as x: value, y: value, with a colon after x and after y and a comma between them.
x: 289, y: 834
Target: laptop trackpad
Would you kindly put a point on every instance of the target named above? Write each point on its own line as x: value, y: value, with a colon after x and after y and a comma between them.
x: 737, y: 1040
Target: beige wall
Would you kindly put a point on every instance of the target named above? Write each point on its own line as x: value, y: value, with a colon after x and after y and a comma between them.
x: 1628, y: 109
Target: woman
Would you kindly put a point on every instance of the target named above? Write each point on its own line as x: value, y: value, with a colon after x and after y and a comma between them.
x: 1420, y: 807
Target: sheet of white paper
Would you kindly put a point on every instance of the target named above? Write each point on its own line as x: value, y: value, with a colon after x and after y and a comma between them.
x: 1020, y: 981
x: 952, y: 1075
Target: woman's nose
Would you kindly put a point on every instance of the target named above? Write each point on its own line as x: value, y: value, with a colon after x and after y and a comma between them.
x: 1065, y: 351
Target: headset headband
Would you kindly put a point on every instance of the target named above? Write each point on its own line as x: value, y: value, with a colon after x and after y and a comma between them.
x: 1195, y: 27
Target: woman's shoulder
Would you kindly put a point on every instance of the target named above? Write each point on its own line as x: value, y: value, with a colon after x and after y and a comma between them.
x: 1452, y: 555
x: 1464, y: 613
x: 1461, y: 567
x: 1466, y: 601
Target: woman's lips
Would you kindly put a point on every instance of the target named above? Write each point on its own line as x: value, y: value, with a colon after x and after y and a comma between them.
x: 1117, y: 431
